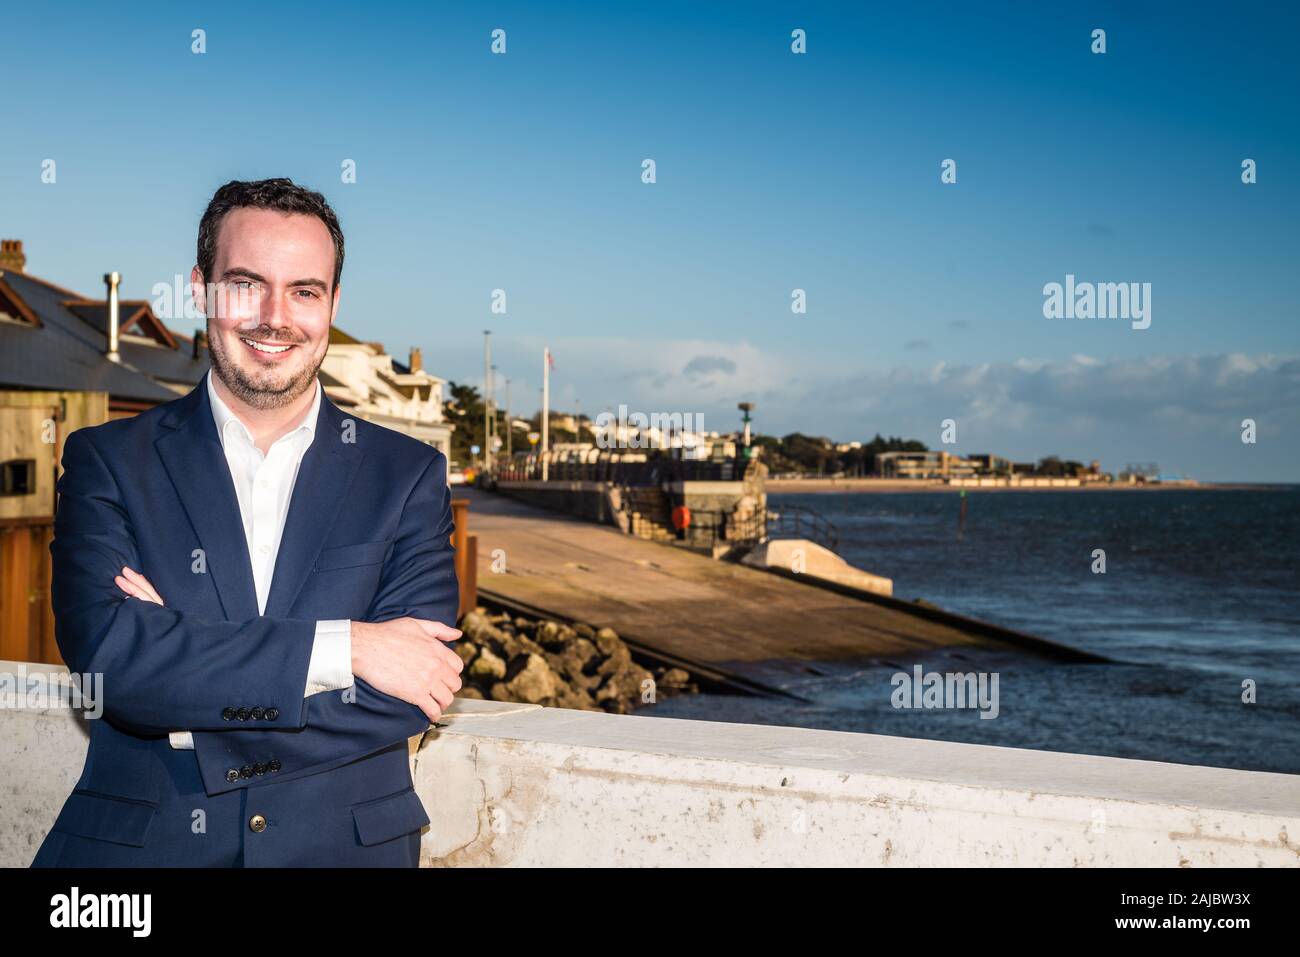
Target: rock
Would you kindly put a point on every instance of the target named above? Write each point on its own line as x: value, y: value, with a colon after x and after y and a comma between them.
x: 579, y: 662
x: 608, y: 641
x: 514, y: 658
x: 514, y: 646
x: 619, y: 660
x: 674, y: 678
x: 548, y: 635
x: 578, y: 700
x: 533, y: 683
x: 621, y: 692
x: 487, y: 665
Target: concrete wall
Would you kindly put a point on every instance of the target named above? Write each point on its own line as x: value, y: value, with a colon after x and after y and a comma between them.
x: 592, y: 501
x: 520, y: 785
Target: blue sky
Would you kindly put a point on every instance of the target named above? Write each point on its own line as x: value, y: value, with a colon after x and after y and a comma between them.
x: 775, y: 172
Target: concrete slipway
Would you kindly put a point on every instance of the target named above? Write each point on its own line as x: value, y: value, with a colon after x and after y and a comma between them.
x: 724, y: 621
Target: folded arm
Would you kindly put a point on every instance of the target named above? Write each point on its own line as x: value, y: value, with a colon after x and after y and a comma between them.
x: 162, y: 669
x: 418, y: 582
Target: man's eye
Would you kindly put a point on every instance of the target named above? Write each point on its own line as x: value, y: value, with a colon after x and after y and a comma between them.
x: 309, y: 293
x: 242, y: 284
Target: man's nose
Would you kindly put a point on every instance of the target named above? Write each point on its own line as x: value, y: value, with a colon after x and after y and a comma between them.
x: 274, y: 314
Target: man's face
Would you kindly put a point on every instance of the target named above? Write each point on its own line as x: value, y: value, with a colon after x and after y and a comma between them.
x: 269, y: 321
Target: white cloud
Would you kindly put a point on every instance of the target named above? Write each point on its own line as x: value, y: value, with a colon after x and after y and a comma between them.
x: 1182, y: 411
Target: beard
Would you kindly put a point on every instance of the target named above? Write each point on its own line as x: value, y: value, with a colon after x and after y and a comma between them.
x: 261, y: 388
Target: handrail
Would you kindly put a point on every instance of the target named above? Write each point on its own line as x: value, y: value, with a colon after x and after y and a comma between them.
x: 648, y: 472
x: 799, y: 521
x: 709, y: 526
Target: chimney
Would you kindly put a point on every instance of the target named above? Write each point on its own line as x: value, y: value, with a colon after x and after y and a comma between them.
x: 417, y: 361
x: 11, y: 255
x: 112, y: 280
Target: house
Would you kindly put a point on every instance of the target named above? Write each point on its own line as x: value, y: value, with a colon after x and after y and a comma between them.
x: 362, y: 378
x: 66, y: 362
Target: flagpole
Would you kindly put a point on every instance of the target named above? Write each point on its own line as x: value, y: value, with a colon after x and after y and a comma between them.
x: 487, y: 399
x: 546, y: 409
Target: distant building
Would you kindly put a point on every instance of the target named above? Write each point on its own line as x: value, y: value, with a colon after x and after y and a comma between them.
x: 923, y: 465
x: 989, y: 464
x: 362, y: 378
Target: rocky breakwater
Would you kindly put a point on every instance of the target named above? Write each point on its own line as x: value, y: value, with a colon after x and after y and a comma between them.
x: 511, y: 658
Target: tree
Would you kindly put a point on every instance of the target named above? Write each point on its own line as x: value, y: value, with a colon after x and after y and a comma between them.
x: 465, y: 410
x: 892, y: 444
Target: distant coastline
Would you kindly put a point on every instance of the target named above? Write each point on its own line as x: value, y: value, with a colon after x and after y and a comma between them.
x: 825, y: 485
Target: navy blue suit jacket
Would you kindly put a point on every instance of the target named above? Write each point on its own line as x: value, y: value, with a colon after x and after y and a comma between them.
x: 275, y: 779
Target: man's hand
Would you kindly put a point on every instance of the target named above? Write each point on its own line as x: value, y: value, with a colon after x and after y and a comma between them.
x: 406, y: 658
x: 137, y: 586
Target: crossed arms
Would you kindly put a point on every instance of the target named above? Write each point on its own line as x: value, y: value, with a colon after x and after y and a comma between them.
x: 165, y: 670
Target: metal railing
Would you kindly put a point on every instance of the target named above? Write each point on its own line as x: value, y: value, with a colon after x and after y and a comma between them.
x: 654, y: 471
x: 709, y: 527
x: 799, y: 521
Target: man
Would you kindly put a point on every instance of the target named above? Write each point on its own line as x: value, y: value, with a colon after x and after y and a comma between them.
x: 262, y: 581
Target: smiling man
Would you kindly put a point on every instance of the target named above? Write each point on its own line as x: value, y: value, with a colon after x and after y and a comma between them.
x: 265, y: 584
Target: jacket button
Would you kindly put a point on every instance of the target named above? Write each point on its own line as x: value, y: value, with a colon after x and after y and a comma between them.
x: 246, y: 771
x: 274, y: 765
x: 243, y: 714
x: 257, y: 823
x: 272, y: 714
x: 228, y: 714
x: 232, y: 775
x: 256, y: 714
x: 259, y: 767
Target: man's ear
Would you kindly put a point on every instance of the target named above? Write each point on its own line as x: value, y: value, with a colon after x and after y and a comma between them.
x: 198, y: 291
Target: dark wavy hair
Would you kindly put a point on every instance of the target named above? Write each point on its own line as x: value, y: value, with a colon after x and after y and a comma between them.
x: 282, y: 195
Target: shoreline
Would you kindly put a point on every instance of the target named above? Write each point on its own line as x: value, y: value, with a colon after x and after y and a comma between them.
x: 897, y: 486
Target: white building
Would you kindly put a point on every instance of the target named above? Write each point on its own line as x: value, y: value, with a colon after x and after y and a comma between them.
x: 362, y: 378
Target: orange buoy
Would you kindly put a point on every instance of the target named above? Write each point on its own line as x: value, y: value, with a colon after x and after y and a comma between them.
x: 681, y: 518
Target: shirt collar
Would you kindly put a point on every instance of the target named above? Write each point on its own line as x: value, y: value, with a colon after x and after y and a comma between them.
x: 226, y: 419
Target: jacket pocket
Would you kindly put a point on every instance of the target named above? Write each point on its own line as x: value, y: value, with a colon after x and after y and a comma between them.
x: 388, y: 817
x: 105, y: 817
x: 351, y: 556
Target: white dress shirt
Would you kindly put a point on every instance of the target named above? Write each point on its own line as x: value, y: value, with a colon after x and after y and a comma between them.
x: 264, y: 486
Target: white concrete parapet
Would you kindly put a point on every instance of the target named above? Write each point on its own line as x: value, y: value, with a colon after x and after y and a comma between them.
x: 525, y: 785
x: 511, y: 784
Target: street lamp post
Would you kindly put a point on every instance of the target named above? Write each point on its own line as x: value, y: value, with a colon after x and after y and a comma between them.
x: 487, y: 398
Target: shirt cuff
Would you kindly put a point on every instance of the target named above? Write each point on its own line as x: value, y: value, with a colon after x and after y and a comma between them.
x: 330, y: 667
x: 181, y: 740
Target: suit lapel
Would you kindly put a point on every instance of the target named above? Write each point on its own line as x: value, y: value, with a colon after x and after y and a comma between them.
x: 319, y: 492
x: 192, y: 454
